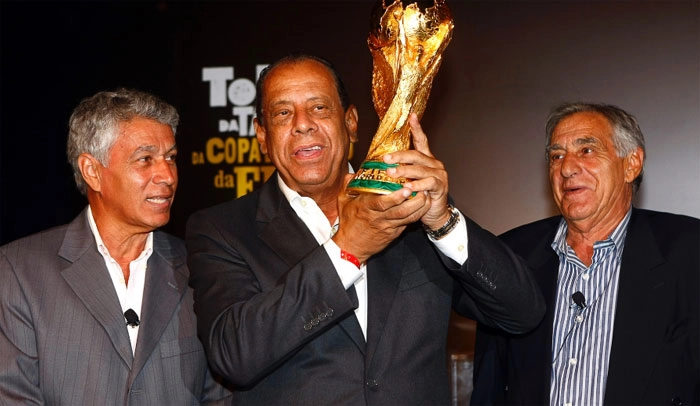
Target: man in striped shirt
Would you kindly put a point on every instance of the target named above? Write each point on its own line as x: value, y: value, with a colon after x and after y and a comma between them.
x: 621, y: 283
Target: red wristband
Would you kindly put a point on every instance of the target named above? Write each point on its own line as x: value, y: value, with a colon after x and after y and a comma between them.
x: 349, y: 257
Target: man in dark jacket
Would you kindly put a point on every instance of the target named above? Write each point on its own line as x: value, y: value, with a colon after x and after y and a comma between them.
x: 306, y: 295
x: 621, y: 284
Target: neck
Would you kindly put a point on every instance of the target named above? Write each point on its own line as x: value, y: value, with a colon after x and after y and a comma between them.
x: 124, y: 247
x: 582, y: 235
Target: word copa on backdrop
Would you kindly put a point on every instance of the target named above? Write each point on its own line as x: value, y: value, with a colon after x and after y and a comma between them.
x: 406, y: 46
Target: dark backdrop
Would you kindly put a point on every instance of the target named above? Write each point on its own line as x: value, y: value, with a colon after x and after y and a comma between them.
x: 508, y: 63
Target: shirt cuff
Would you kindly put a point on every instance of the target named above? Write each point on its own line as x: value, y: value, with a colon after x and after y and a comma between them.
x: 347, y: 271
x: 455, y: 244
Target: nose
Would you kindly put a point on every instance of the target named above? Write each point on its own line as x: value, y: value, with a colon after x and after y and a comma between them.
x: 303, y: 123
x: 569, y: 166
x: 165, y: 172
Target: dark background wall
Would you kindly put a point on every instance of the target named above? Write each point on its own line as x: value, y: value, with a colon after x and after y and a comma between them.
x: 508, y: 63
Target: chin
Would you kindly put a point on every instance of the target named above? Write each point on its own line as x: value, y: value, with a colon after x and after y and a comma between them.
x: 158, y: 222
x: 577, y: 215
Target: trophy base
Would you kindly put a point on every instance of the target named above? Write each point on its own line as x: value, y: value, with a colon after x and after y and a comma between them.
x: 372, y: 178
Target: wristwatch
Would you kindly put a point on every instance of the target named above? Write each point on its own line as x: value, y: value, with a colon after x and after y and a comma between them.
x: 447, y: 228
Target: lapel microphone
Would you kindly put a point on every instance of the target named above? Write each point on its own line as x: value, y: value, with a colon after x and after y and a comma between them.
x: 132, y: 319
x: 579, y: 300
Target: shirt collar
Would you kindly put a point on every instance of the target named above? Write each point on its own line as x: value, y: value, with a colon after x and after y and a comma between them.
x: 617, y: 237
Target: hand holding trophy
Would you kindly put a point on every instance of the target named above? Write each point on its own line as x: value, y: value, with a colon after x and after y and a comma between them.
x: 406, y: 46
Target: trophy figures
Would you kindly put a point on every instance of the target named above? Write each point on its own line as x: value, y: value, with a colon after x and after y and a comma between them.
x: 406, y: 46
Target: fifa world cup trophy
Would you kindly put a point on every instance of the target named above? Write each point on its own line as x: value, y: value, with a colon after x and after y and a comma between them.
x: 406, y: 46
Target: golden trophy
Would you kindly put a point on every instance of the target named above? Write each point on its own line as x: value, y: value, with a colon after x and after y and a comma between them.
x: 406, y: 46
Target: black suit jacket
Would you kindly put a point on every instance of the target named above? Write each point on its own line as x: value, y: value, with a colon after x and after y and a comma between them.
x: 276, y: 320
x: 654, y: 354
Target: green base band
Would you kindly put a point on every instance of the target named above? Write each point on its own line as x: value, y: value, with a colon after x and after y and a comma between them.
x: 365, y: 179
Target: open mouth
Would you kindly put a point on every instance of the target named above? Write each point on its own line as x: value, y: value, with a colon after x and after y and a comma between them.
x: 572, y: 190
x: 159, y: 199
x: 308, y: 152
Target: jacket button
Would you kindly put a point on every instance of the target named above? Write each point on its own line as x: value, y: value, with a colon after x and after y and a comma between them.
x: 373, y: 384
x: 676, y: 401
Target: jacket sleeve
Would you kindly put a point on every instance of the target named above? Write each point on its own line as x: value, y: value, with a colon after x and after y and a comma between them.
x: 19, y: 360
x: 496, y: 286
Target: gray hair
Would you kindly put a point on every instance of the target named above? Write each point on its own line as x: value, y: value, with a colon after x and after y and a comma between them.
x: 627, y: 135
x: 93, y: 127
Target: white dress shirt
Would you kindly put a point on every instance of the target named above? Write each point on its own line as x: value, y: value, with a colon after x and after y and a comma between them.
x: 130, y: 294
x: 454, y: 245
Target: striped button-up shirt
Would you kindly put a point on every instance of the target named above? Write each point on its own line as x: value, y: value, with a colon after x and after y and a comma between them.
x: 582, y: 333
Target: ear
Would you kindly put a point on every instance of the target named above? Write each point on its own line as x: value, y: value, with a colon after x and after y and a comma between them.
x: 634, y: 162
x: 90, y: 168
x: 260, y: 134
x: 351, y: 119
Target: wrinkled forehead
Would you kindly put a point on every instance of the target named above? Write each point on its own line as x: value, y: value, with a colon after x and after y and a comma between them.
x: 582, y: 127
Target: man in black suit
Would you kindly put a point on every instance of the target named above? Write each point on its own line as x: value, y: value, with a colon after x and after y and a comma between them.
x: 621, y: 284
x: 308, y: 295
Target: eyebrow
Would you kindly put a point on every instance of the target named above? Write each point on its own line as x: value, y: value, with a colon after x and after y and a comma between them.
x: 578, y: 142
x: 280, y: 103
x: 152, y: 149
x: 313, y: 99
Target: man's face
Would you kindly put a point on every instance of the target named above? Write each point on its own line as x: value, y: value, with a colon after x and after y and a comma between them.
x: 306, y: 133
x: 138, y: 186
x: 590, y: 182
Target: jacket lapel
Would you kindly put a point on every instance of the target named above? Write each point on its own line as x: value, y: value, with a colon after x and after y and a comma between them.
x: 643, y: 297
x: 351, y: 325
x: 382, y: 285
x: 536, y: 366
x: 166, y: 283
x: 90, y: 281
x: 280, y: 227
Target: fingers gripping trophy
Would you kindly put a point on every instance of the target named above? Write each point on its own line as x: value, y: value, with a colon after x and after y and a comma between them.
x: 406, y: 46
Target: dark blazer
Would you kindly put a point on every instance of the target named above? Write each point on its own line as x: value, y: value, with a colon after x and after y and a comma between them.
x: 276, y: 320
x: 63, y: 337
x: 654, y: 355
